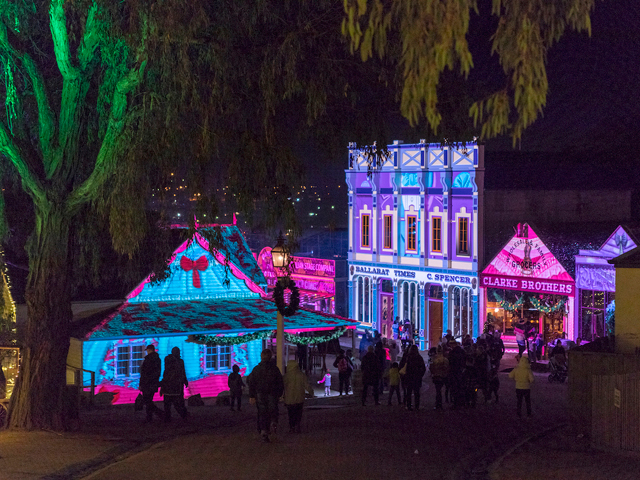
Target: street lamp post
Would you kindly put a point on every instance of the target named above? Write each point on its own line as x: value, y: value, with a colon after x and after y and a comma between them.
x: 280, y: 257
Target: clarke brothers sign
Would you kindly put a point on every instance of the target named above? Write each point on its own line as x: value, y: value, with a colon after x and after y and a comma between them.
x: 418, y: 276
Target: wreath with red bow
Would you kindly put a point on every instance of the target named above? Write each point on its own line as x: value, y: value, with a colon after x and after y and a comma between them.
x: 278, y: 297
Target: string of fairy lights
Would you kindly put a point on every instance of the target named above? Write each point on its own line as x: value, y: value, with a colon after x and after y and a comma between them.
x: 224, y: 340
x: 536, y: 303
x: 8, y: 312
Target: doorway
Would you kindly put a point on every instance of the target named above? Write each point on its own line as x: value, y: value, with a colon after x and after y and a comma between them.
x: 435, y: 322
x: 386, y: 314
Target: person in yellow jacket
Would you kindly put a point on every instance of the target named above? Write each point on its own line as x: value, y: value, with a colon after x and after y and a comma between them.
x: 523, y: 376
x: 393, y: 374
x: 296, y: 385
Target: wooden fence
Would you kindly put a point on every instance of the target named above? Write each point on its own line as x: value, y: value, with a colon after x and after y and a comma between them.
x: 615, y: 419
x: 583, y: 366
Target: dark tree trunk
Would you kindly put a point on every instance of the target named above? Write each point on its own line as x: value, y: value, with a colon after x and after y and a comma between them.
x: 39, y: 398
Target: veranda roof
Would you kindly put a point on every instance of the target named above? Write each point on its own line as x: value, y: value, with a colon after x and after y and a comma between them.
x: 210, y: 317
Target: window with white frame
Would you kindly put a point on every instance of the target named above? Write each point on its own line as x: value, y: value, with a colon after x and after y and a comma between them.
x: 365, y: 230
x: 129, y: 358
x: 436, y: 234
x: 388, y: 225
x: 412, y: 221
x: 463, y: 236
x: 217, y: 357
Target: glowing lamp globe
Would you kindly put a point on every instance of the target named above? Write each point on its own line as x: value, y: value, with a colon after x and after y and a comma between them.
x: 280, y: 255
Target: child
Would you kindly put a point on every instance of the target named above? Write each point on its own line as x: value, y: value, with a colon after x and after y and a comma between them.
x: 327, y: 383
x: 235, y: 386
x: 394, y: 382
x: 494, y: 384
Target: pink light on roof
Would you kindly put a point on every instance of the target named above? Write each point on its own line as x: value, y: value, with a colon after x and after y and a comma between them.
x: 525, y: 255
x: 219, y: 257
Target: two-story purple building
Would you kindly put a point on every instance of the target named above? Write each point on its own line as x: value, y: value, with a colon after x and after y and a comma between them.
x: 415, y: 227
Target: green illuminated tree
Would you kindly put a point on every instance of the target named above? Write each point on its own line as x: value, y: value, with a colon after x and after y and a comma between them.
x: 428, y: 37
x: 104, y: 99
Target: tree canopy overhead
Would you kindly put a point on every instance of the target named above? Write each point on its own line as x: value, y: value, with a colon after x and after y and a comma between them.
x: 427, y: 37
x: 105, y: 99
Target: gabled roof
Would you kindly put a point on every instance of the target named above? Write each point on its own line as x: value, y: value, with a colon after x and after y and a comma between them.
x: 211, y: 317
x: 196, y: 273
x: 527, y: 255
x: 194, y: 299
x: 619, y: 242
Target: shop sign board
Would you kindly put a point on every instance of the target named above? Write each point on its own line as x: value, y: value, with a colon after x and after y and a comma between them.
x: 470, y: 281
x: 528, y: 284
x: 318, y: 273
x: 319, y: 267
x: 315, y: 285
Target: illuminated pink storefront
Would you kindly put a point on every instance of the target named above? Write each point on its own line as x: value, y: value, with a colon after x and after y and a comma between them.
x: 315, y: 277
x: 525, y: 280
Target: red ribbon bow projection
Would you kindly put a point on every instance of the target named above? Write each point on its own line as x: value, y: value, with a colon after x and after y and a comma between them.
x: 200, y: 264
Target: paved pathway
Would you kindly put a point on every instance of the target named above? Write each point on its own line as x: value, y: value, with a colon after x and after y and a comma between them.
x: 340, y: 439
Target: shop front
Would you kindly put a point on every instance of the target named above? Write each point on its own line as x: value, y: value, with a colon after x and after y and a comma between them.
x: 426, y: 303
x: 315, y: 277
x: 415, y: 239
x: 596, y: 284
x: 526, y: 282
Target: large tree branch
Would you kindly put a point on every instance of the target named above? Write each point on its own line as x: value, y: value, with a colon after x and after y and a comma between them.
x: 58, y: 26
x: 30, y: 182
x: 46, y: 118
x: 105, y: 161
x: 90, y: 39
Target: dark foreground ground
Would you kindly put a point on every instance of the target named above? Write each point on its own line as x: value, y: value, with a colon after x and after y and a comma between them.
x: 339, y: 439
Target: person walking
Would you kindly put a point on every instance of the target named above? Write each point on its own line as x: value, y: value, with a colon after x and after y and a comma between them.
x: 439, y: 369
x: 394, y: 382
x: 265, y: 389
x: 519, y: 329
x: 457, y: 362
x: 351, y: 366
x: 150, y: 371
x: 371, y: 374
x: 296, y: 385
x: 413, y: 378
x: 344, y: 371
x: 235, y: 384
x: 523, y: 376
x: 382, y: 359
x: 174, y: 381
x: 326, y: 379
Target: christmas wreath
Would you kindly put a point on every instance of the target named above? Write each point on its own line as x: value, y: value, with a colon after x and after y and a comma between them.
x: 278, y: 297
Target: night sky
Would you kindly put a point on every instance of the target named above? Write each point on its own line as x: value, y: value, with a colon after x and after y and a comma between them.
x: 589, y: 127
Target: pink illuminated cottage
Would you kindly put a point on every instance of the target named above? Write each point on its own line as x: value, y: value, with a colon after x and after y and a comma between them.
x: 525, y: 280
x: 415, y: 233
x: 210, y: 293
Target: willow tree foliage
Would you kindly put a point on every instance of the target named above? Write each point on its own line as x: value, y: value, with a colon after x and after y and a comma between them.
x: 428, y: 37
x: 104, y: 99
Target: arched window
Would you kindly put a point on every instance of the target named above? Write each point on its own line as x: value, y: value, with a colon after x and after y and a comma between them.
x: 363, y: 299
x: 409, y: 293
x: 462, y: 311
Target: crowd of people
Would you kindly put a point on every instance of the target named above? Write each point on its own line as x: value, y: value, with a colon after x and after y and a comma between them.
x: 460, y: 371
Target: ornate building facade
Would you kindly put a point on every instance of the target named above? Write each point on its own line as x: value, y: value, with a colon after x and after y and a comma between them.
x: 415, y: 233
